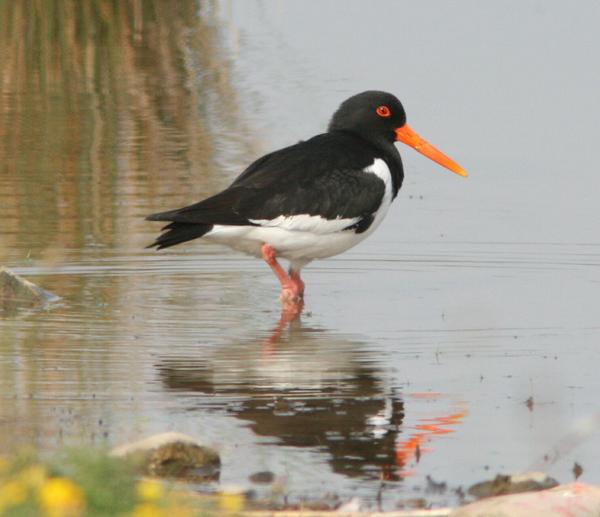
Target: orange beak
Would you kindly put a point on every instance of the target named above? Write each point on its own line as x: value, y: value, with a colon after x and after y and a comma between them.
x: 407, y: 136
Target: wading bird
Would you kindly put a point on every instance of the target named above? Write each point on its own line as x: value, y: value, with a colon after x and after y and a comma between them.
x: 311, y: 200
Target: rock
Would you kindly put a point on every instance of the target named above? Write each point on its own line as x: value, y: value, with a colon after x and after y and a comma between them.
x: 353, y: 506
x: 16, y: 292
x: 572, y: 500
x: 264, y: 477
x: 172, y: 455
x: 514, y: 484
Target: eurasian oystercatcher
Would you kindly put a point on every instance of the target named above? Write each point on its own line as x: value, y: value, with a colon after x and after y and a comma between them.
x: 311, y: 200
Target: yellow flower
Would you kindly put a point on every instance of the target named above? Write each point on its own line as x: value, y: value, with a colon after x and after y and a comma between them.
x: 180, y: 511
x: 60, y: 497
x: 33, y: 476
x: 4, y: 464
x: 150, y: 490
x: 148, y: 510
x: 12, y: 493
x: 231, y: 501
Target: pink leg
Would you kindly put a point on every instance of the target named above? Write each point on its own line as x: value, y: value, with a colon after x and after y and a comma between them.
x: 295, y: 277
x: 292, y: 288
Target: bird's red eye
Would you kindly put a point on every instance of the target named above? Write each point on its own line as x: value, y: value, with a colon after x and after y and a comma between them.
x: 383, y: 111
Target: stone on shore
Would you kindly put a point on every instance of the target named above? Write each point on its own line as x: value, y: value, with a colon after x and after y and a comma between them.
x: 571, y: 500
x: 513, y: 484
x: 172, y: 455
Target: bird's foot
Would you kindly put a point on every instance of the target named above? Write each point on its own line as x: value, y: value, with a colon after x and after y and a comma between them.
x: 292, y: 289
x: 295, y: 278
x: 290, y: 293
x: 291, y: 306
x: 292, y: 286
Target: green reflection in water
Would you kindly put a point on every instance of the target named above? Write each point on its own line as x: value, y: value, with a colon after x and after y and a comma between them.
x: 109, y: 110
x: 106, y: 107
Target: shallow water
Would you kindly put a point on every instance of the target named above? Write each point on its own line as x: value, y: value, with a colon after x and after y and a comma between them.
x: 416, y: 351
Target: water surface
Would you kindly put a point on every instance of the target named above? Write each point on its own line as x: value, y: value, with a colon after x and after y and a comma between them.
x: 416, y: 352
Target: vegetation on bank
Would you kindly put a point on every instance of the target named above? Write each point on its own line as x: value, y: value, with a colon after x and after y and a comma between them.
x: 81, y: 483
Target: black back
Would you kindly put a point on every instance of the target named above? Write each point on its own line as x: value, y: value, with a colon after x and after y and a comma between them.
x: 322, y: 176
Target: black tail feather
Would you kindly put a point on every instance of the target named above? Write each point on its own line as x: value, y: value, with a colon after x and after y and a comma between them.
x: 176, y: 233
x: 163, y: 216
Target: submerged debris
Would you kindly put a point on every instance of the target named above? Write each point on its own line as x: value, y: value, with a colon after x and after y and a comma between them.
x: 529, y: 403
x: 16, y: 292
x: 434, y: 487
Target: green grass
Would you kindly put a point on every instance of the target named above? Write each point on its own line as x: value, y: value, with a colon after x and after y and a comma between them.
x: 89, y: 483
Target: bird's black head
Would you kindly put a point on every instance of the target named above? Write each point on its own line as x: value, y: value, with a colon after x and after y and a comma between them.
x: 380, y: 118
x: 373, y: 115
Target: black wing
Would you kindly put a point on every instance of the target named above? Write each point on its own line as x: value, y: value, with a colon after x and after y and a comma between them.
x: 322, y: 176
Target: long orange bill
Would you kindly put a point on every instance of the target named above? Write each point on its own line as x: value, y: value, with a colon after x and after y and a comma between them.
x: 407, y: 136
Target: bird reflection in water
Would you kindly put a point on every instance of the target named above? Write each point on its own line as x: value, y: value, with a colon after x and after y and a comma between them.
x: 410, y: 448
x: 310, y: 388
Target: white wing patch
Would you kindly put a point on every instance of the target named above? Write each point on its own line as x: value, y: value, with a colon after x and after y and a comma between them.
x: 307, y: 223
x: 321, y: 226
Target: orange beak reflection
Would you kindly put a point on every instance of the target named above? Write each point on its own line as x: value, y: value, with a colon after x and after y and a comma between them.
x: 407, y: 136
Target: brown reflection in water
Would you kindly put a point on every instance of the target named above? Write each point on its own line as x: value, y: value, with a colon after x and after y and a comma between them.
x: 107, y: 108
x: 313, y: 389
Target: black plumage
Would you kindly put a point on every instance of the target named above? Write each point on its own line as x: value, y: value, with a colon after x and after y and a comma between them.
x: 322, y: 176
x: 312, y: 200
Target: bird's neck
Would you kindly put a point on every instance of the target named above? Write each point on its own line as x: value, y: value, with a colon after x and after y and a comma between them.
x: 385, y: 150
x: 394, y: 162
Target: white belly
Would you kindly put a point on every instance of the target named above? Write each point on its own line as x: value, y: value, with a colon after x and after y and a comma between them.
x: 294, y: 245
x: 303, y: 238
